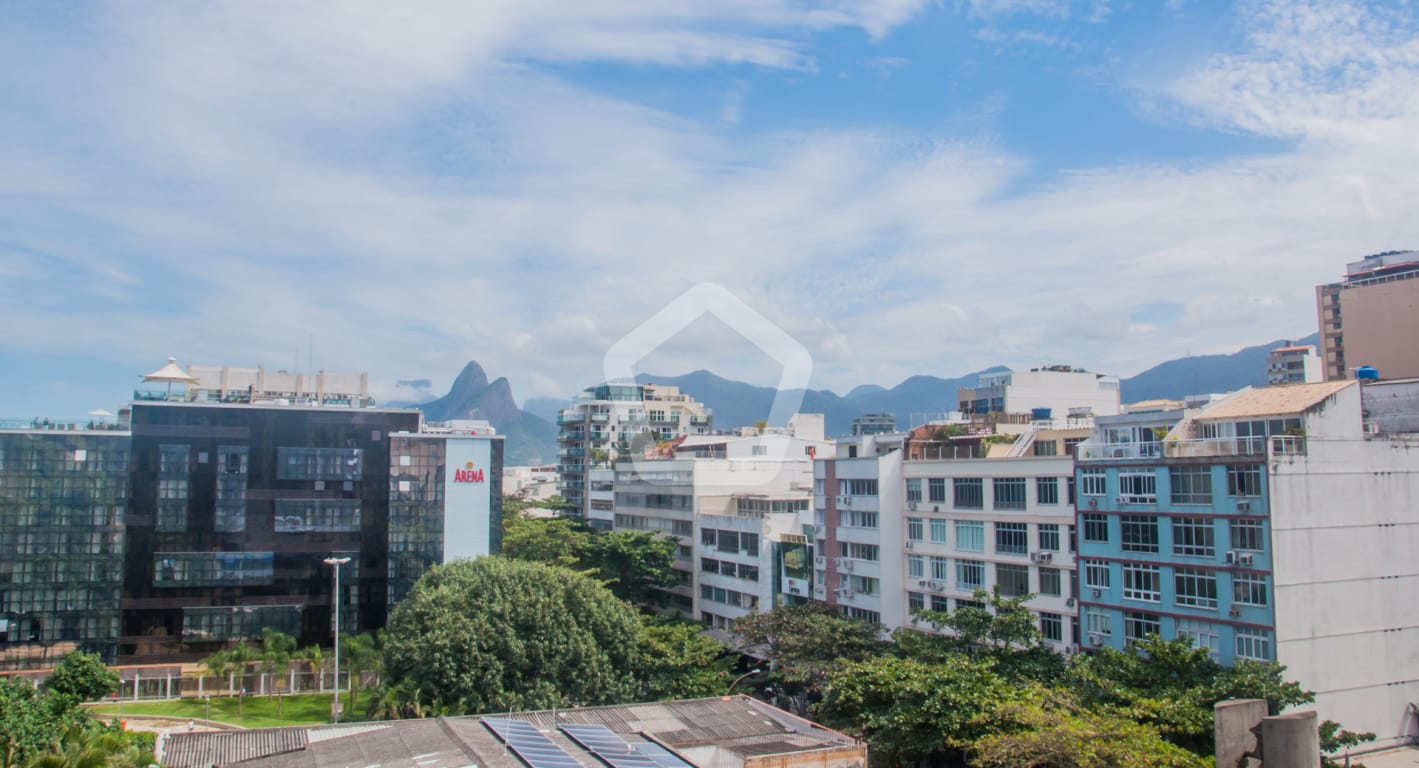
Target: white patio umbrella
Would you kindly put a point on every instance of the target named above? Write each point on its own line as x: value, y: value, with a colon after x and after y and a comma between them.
x: 100, y: 413
x: 171, y: 373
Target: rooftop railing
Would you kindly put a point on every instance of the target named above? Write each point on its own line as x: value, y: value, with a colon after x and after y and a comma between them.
x: 1198, y: 448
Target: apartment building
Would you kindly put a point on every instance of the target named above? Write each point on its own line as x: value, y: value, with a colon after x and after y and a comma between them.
x: 1366, y: 318
x: 737, y: 506
x: 1275, y: 524
x: 1294, y: 364
x: 874, y: 424
x: 615, y: 420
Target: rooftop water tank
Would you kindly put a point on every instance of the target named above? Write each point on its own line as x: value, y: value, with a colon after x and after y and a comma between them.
x: 1040, y: 414
x: 1367, y: 373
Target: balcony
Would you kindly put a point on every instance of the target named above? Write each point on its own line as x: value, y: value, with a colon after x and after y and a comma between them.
x: 1203, y: 448
x: 699, y: 421
x: 571, y: 485
x: 571, y: 452
x: 574, y: 436
x: 571, y: 418
x: 600, y: 418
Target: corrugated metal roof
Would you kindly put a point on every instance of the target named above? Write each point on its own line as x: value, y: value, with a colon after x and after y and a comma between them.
x: 1280, y: 400
x: 202, y: 750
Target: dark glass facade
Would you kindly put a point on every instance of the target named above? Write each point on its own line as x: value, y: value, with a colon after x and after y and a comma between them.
x: 232, y: 511
x: 62, y: 510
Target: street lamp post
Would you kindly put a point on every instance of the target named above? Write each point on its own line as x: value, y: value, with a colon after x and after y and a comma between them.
x: 335, y: 598
x: 739, y: 679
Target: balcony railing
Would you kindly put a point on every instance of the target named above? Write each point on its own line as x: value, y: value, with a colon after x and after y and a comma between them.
x: 1202, y: 448
x: 571, y: 418
x: 572, y: 452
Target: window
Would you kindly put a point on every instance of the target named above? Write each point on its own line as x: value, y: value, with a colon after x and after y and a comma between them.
x: 940, y: 569
x: 969, y: 492
x: 937, y: 487
x: 915, y: 529
x: 856, y: 551
x: 1096, y: 574
x: 1047, y: 490
x: 1247, y: 535
x: 913, y: 489
x: 297, y: 463
x: 1138, y: 486
x: 1139, y: 533
x: 857, y: 487
x: 1092, y: 482
x: 1248, y: 589
x: 1012, y: 538
x: 916, y: 601
x: 1050, y: 582
x: 1244, y: 481
x: 970, y: 575
x: 1049, y: 537
x: 317, y: 515
x: 1191, y: 485
x: 1202, y: 634
x: 855, y: 518
x: 1070, y: 482
x: 1141, y: 582
x: 938, y: 531
x: 1070, y: 443
x: 970, y: 536
x: 1009, y: 493
x: 1195, y: 588
x: 916, y: 566
x: 1073, y: 539
x: 1097, y: 622
x: 1138, y: 626
x: 940, y: 603
x: 1193, y: 537
x: 1096, y: 529
x: 1052, y: 627
x: 1046, y: 447
x: 1252, y: 644
x: 1013, y: 580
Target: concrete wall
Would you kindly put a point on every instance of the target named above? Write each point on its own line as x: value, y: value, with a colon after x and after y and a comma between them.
x: 1345, y: 527
x: 854, y: 756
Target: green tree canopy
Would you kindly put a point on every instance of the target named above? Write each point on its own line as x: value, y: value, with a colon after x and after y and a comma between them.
x: 907, y: 710
x: 634, y: 565
x: 679, y: 661
x: 82, y: 676
x: 495, y: 634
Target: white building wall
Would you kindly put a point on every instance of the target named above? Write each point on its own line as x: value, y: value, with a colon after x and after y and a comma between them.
x: 1345, y: 529
x: 1060, y: 391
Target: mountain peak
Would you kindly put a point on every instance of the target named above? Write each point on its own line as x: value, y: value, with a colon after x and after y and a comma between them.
x: 470, y: 380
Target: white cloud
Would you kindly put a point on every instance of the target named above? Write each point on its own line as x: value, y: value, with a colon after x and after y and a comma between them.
x: 412, y: 191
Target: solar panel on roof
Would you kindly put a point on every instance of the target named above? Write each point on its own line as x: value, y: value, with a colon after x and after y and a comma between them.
x: 530, y: 744
x: 662, y: 756
x: 619, y: 753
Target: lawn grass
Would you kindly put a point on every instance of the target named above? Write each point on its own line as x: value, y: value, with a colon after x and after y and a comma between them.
x: 257, y: 711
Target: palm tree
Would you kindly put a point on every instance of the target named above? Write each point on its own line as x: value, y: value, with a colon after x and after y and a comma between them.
x: 89, y: 748
x: 220, y: 665
x: 276, y: 650
x: 366, y: 654
x: 315, y: 657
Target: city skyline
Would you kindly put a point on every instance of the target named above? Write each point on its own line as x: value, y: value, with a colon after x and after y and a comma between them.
x: 903, y: 187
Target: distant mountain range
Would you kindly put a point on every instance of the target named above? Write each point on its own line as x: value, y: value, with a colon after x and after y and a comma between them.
x: 532, y: 434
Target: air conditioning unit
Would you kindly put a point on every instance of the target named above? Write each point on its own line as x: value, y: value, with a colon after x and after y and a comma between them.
x: 935, y: 586
x: 1245, y: 558
x: 911, y: 505
x: 1041, y: 557
x: 1093, y: 503
x: 909, y: 544
x: 844, y: 591
x: 1098, y: 593
x: 1070, y: 602
x: 845, y: 501
x: 1121, y: 500
x: 847, y: 565
x: 923, y: 583
x: 935, y: 507
x: 1235, y: 612
x: 1244, y: 506
x: 794, y: 589
x: 838, y: 562
x: 1096, y: 639
x: 1231, y: 558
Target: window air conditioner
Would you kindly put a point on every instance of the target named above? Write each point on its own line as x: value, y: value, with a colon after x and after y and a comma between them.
x: 1244, y: 506
x: 923, y: 583
x: 847, y: 566
x: 1231, y: 557
x: 1093, y: 503
x: 1235, y: 612
x: 1070, y: 602
x: 911, y: 505
x: 1096, y: 639
x: 935, y: 586
x: 1244, y: 558
x: 909, y: 545
x: 1098, y: 593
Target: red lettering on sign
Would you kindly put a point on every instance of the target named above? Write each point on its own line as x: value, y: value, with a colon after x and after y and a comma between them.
x: 468, y: 475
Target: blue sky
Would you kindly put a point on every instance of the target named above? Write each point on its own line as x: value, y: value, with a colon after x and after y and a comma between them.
x: 903, y: 186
